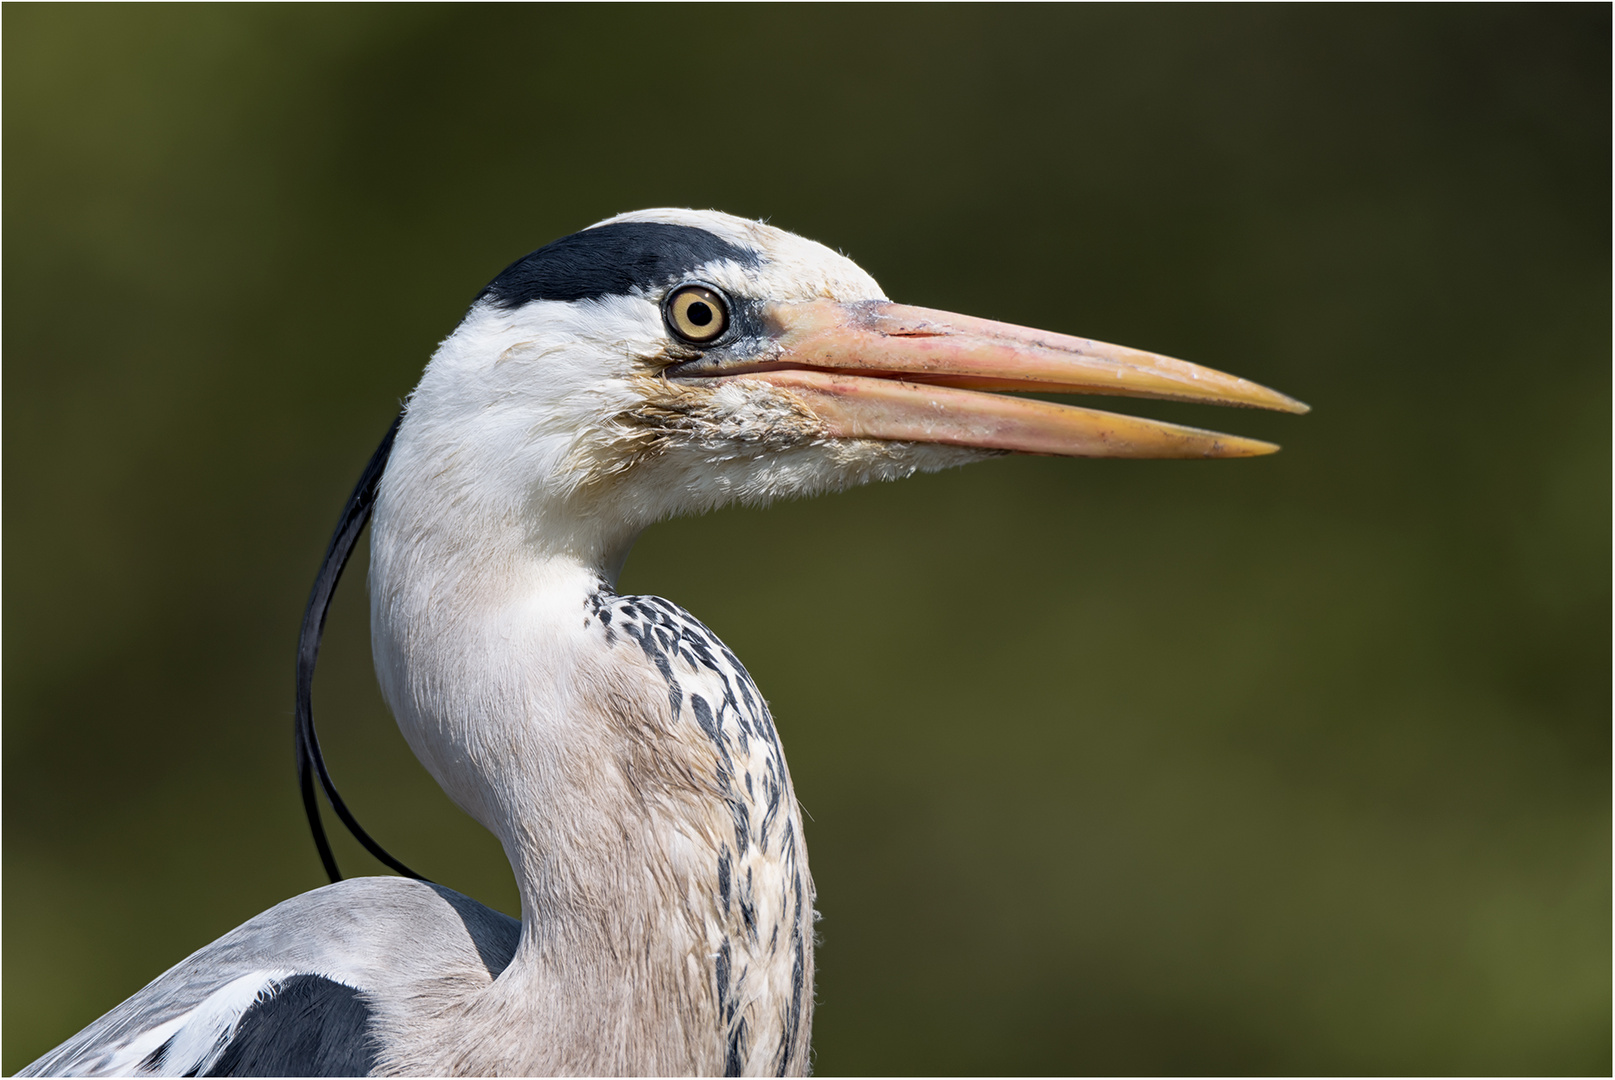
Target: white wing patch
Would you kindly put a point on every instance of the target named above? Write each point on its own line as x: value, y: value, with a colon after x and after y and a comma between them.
x: 189, y: 1044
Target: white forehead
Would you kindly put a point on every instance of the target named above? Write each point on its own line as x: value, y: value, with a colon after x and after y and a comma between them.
x: 791, y: 267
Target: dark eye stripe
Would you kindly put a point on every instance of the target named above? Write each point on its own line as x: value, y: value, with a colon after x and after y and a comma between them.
x: 612, y: 260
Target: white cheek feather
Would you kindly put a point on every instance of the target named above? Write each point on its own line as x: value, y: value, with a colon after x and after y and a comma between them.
x: 516, y: 391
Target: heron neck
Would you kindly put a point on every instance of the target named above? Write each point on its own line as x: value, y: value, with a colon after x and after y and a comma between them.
x: 498, y: 648
x: 482, y: 653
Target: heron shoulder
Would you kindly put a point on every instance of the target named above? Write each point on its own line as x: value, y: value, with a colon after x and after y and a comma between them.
x: 311, y: 970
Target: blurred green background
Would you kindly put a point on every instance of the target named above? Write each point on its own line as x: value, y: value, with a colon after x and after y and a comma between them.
x: 1299, y: 764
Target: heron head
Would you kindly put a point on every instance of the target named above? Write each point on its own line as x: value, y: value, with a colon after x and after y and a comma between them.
x: 670, y: 361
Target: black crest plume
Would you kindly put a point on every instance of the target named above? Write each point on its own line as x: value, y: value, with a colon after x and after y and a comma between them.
x: 310, y: 762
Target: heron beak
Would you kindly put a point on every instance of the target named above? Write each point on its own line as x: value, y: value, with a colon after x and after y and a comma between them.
x: 877, y: 370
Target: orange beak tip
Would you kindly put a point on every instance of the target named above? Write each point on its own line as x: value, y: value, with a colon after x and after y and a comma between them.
x: 1255, y: 448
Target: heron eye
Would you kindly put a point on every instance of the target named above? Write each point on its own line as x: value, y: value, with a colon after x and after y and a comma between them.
x: 697, y: 313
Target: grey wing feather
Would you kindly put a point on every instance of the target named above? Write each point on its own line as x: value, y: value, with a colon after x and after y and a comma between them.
x: 298, y: 981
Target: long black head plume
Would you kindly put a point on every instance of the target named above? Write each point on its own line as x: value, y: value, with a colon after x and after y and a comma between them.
x: 310, y: 762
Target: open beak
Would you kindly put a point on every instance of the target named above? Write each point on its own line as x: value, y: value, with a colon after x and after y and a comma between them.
x: 877, y: 370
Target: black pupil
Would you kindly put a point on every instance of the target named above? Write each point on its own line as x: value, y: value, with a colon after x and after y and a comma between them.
x: 699, y: 313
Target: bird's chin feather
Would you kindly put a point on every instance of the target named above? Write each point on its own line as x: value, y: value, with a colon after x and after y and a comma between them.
x: 689, y: 449
x: 689, y: 481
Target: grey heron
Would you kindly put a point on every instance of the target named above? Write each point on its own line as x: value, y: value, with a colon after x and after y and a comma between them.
x: 658, y: 363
